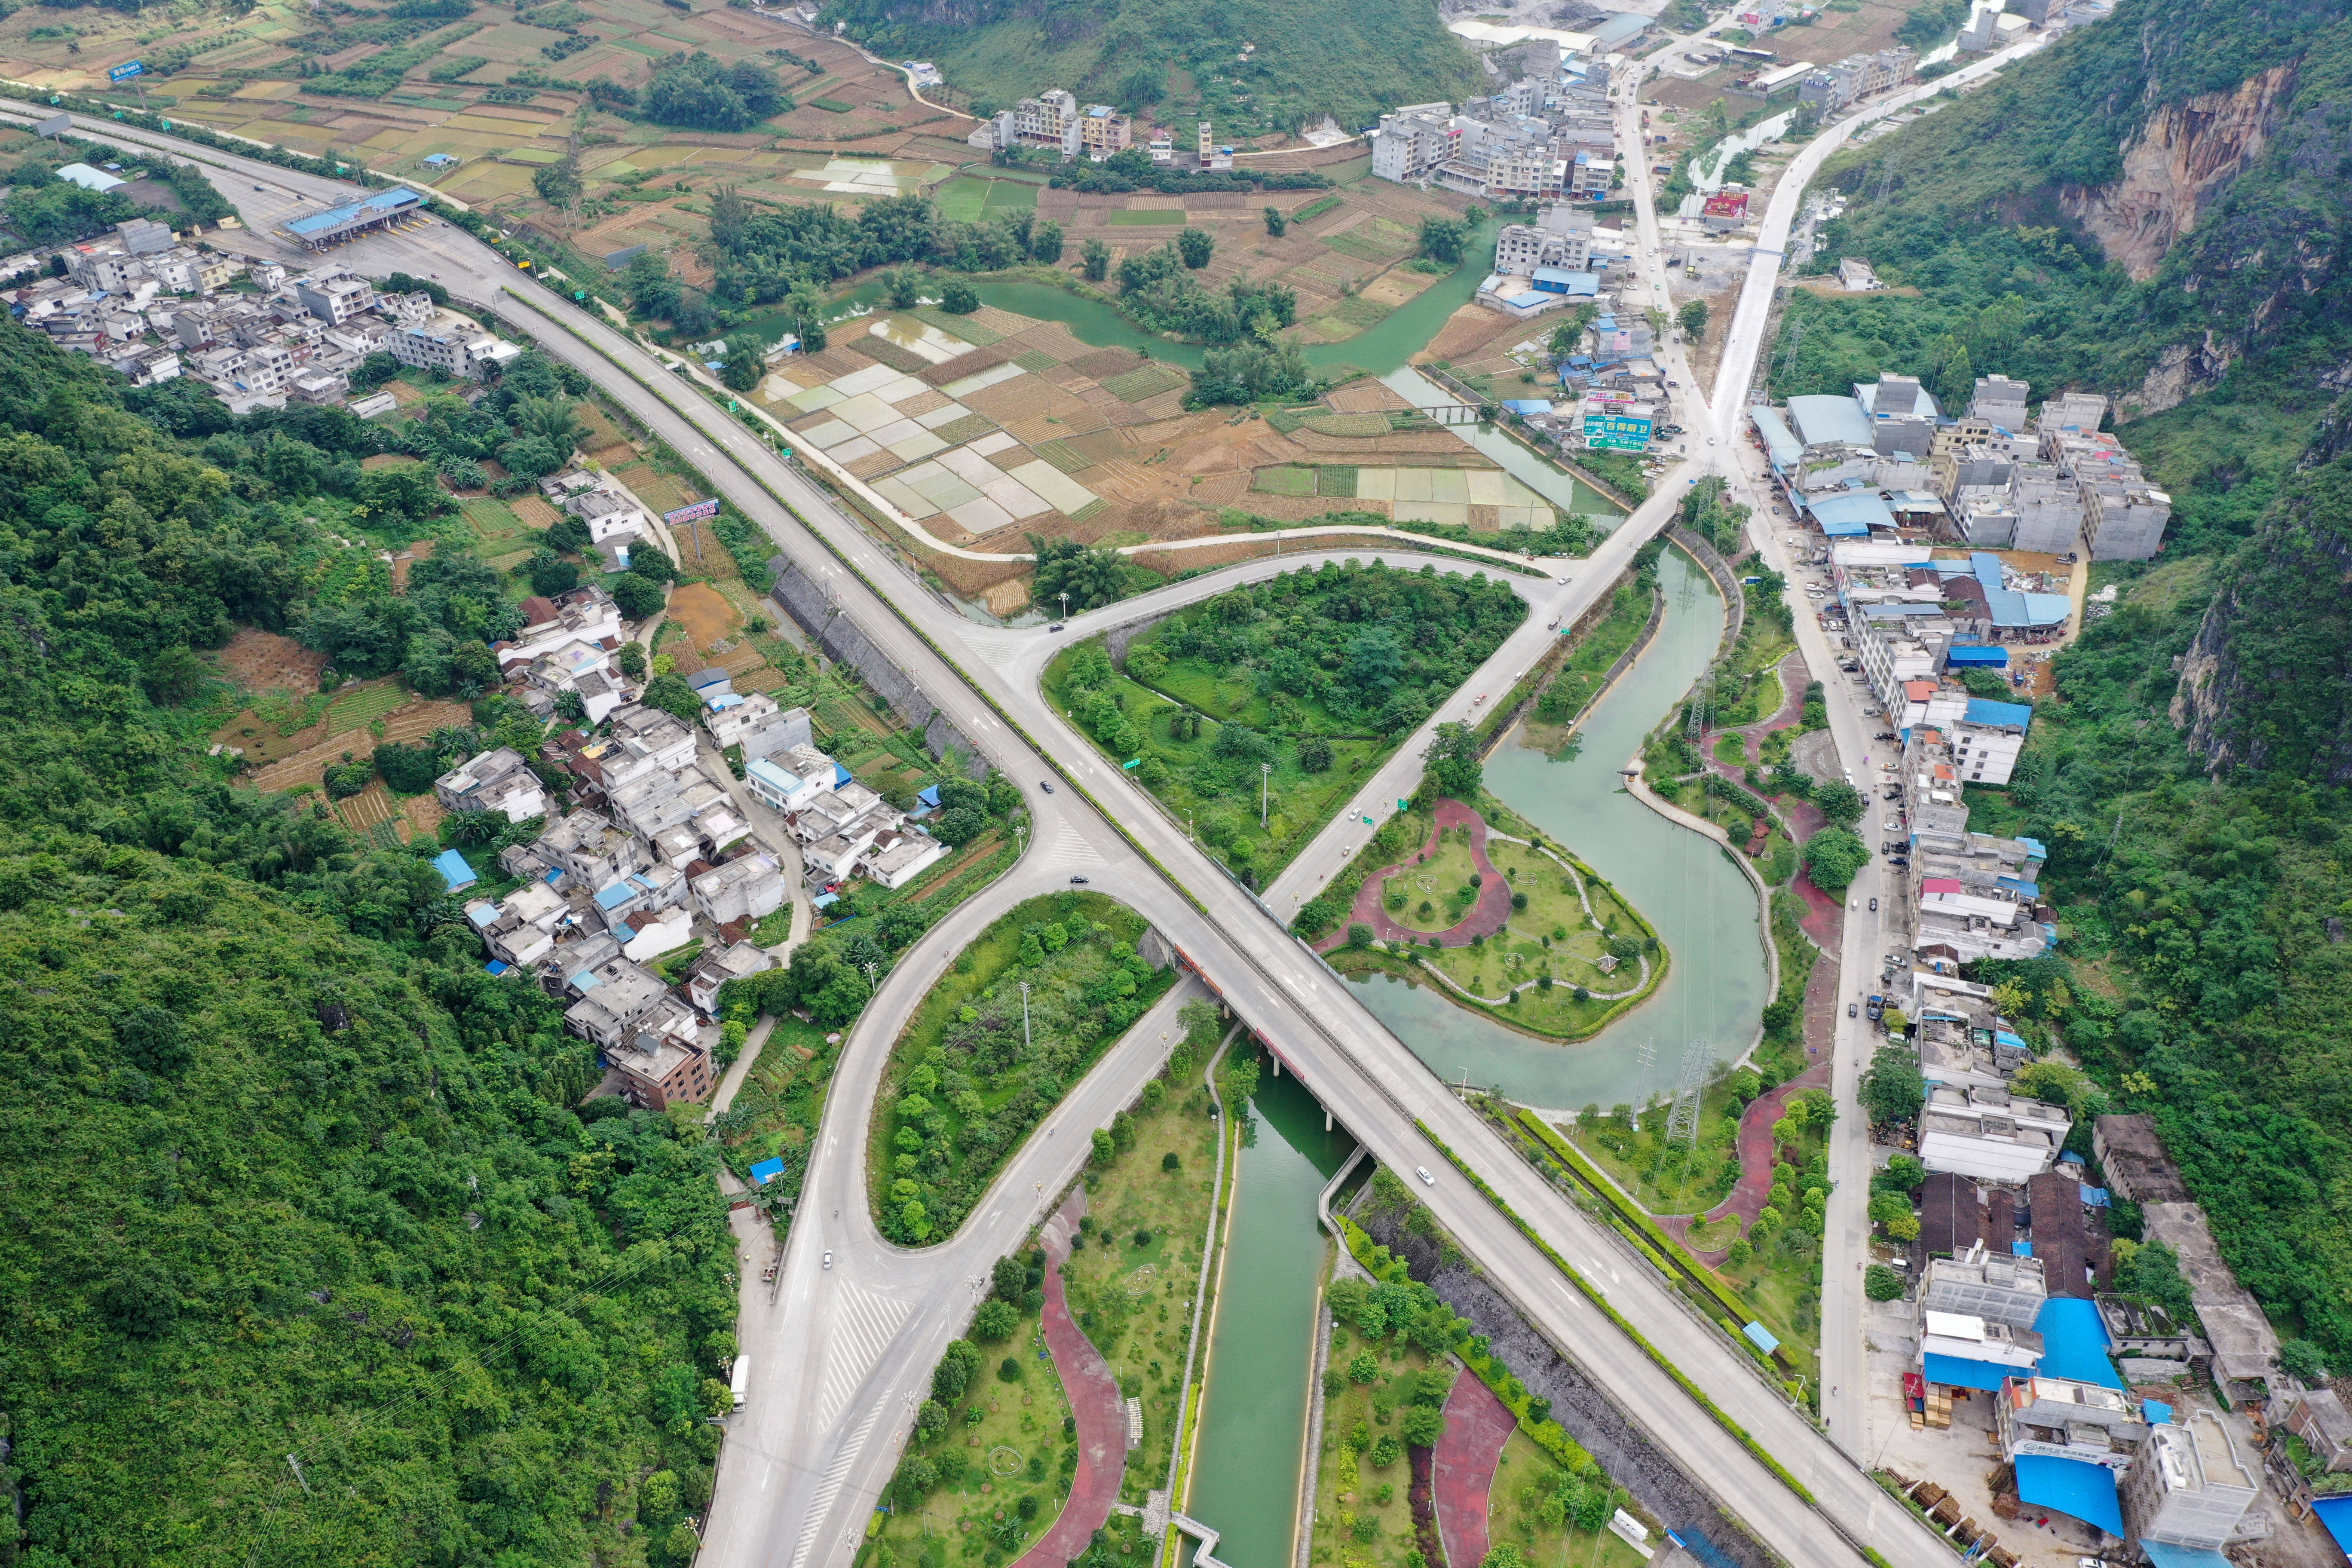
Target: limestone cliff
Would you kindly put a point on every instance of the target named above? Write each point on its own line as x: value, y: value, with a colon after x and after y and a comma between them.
x: 2268, y: 682
x: 2180, y: 163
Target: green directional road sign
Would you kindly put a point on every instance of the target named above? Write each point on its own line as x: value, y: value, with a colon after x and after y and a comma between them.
x: 1131, y: 762
x: 1403, y: 804
x: 1367, y: 819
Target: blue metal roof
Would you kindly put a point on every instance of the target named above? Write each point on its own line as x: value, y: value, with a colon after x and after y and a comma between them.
x: 2041, y: 850
x: 454, y: 870
x: 1851, y: 514
x: 1764, y: 1339
x: 367, y: 209
x: 2072, y: 1487
x: 1983, y: 710
x: 2074, y: 1342
x: 771, y: 775
x: 766, y: 1171
x: 2155, y: 1412
x: 1961, y: 1371
x: 620, y: 892
x: 2165, y: 1554
x: 1971, y: 657
x: 842, y: 775
x: 929, y: 794
x: 1781, y: 443
x: 1527, y: 405
x: 1829, y: 421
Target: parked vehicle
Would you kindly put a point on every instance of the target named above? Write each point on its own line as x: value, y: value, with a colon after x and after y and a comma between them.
x: 1850, y: 1010
x: 1077, y: 881
x: 742, y: 1375
x: 1054, y: 627
x: 1873, y: 906
x: 1877, y: 1006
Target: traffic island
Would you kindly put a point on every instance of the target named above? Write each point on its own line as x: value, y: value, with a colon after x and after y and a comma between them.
x: 1020, y: 1017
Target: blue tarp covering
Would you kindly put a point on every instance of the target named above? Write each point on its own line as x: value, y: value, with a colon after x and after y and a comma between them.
x: 2096, y: 1197
x: 842, y: 775
x: 2021, y: 1248
x: 2041, y: 850
x: 1527, y: 405
x: 1970, y: 657
x: 454, y: 870
x: 2156, y: 1412
x: 1960, y: 1372
x: 2165, y: 1554
x: 766, y: 1171
x: 2336, y: 1518
x: 2074, y: 1342
x: 1983, y: 710
x: 498, y: 966
x: 2072, y: 1487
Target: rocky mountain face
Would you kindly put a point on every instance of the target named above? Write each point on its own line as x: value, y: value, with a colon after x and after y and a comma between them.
x: 2180, y: 164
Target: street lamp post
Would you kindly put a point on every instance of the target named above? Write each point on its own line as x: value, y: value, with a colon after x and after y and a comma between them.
x: 1264, y: 785
x: 1065, y: 605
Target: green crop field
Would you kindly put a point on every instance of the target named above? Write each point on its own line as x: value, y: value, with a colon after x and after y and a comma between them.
x: 1152, y: 219
x: 969, y: 200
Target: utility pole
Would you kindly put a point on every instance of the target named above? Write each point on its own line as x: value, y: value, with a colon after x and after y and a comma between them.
x: 870, y: 986
x: 1024, y: 1018
x: 1264, y: 785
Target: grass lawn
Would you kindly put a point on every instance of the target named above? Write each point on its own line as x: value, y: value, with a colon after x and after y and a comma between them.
x: 1524, y: 1476
x: 1363, y: 1514
x: 1134, y: 1297
x: 783, y: 1097
x: 1006, y: 1440
x: 1636, y: 1157
x: 981, y: 1062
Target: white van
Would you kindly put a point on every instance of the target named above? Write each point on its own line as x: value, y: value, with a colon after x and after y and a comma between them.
x: 742, y: 1379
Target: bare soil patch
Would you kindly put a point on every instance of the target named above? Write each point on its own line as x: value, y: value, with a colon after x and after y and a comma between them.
x: 263, y: 661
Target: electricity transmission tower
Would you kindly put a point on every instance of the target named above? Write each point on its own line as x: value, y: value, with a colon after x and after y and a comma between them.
x: 1682, y: 1125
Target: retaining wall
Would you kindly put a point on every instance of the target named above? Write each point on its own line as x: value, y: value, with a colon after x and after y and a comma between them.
x: 842, y: 640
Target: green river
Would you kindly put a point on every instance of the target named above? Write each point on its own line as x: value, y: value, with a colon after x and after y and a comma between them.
x: 1245, y: 1479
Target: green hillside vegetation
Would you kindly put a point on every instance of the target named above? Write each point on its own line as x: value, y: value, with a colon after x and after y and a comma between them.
x: 1313, y: 57
x: 287, y: 1171
x: 2199, y: 871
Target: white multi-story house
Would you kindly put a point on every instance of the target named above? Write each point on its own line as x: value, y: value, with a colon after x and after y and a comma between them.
x: 1990, y: 1134
x: 781, y: 788
x: 753, y: 721
x: 746, y: 888
x: 452, y: 345
x: 498, y: 780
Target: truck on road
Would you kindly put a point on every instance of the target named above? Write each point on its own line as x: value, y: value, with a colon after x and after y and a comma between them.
x: 741, y: 1379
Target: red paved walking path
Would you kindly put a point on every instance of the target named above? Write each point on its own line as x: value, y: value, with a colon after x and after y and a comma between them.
x: 1094, y: 1400
x: 1478, y: 1425
x: 1490, y: 914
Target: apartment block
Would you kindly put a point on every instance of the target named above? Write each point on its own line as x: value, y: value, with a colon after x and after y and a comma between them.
x: 1560, y: 237
x: 2191, y: 1486
x: 1412, y: 141
x: 2056, y: 1419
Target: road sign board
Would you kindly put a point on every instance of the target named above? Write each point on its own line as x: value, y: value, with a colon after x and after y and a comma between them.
x: 55, y: 125
x: 694, y: 513
x: 1131, y: 762
x: 127, y: 69
x: 1403, y: 804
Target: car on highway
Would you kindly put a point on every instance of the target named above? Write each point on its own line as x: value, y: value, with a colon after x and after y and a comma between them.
x: 828, y: 1260
x: 1045, y: 785
x: 1077, y: 881
x: 1054, y: 627
x: 1426, y: 1179
x: 1873, y: 906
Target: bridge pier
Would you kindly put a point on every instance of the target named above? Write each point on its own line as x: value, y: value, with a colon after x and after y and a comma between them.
x: 1327, y: 1119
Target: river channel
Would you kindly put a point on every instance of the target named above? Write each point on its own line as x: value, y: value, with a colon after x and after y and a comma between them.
x: 1253, y: 1411
x: 1253, y: 1428
x: 1703, y: 907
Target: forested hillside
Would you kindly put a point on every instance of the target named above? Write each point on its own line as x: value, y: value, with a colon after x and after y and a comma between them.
x: 1312, y: 58
x: 2155, y: 208
x: 284, y: 1170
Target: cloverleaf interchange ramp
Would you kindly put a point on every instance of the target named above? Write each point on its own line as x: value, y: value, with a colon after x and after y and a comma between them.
x: 842, y: 1356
